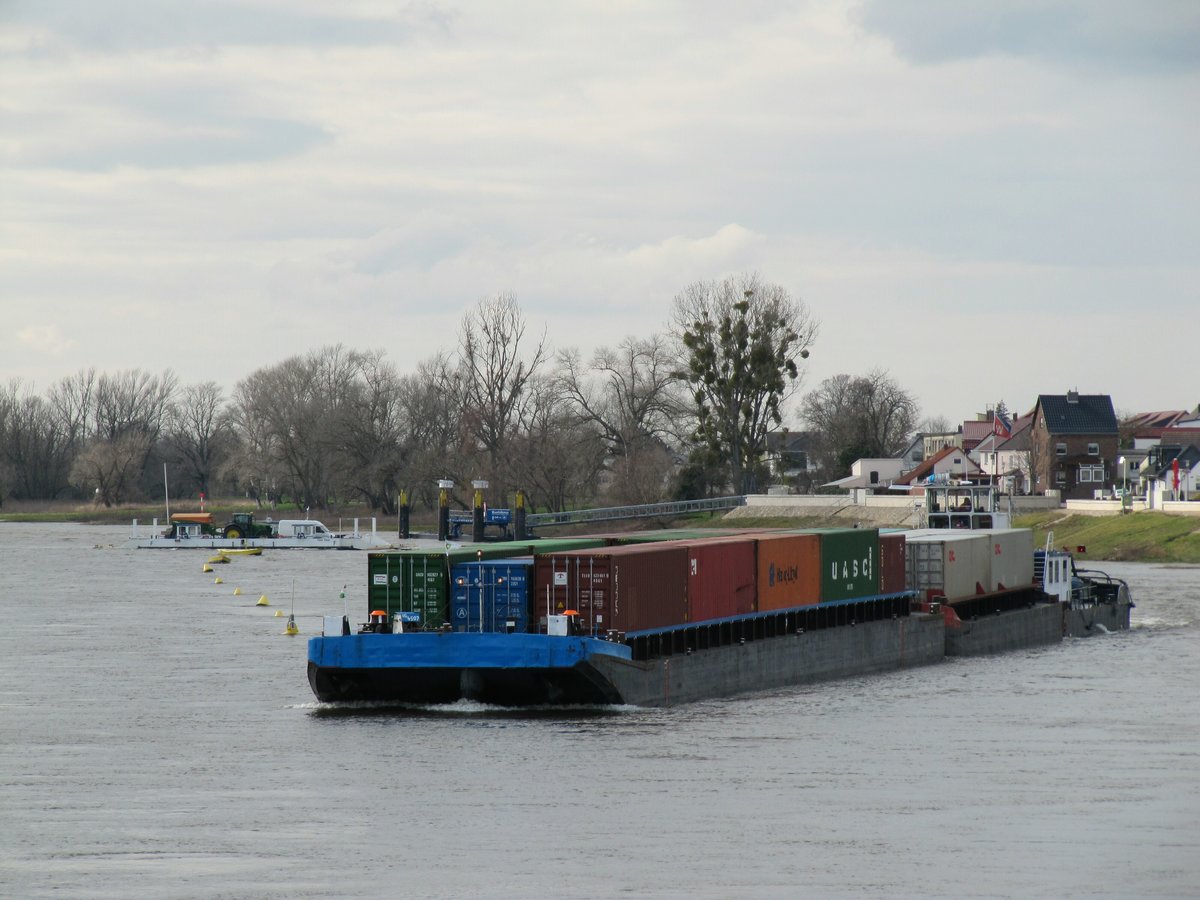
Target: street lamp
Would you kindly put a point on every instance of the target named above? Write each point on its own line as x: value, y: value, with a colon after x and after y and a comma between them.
x: 1121, y: 463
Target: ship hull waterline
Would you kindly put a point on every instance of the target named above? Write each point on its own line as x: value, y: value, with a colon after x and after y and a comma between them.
x: 533, y: 670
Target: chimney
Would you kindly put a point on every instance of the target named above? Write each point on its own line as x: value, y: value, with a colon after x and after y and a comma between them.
x: 1072, y: 396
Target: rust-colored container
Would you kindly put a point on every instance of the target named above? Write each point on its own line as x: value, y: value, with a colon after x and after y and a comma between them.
x: 720, y: 578
x: 634, y: 588
x: 892, y: 566
x: 789, y: 571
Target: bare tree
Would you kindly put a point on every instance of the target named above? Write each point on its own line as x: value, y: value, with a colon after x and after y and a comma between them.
x: 869, y: 416
x: 111, y: 467
x: 558, y: 457
x: 494, y: 372
x: 631, y: 395
x: 372, y: 433
x: 200, y: 434
x: 294, y: 410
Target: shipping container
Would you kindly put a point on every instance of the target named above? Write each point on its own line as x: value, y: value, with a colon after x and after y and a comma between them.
x: 1011, y: 558
x: 410, y: 582
x: 952, y: 564
x: 892, y: 562
x: 721, y: 578
x: 634, y: 588
x: 789, y: 570
x: 491, y: 596
x: 849, y: 563
x: 419, y: 580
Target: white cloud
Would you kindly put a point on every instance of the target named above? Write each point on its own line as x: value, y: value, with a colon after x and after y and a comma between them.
x: 44, y: 339
x: 250, y: 185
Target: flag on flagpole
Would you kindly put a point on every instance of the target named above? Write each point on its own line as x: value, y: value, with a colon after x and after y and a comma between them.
x: 1001, y: 426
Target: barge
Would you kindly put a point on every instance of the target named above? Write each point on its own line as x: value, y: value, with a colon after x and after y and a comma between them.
x: 655, y: 623
x: 195, y: 531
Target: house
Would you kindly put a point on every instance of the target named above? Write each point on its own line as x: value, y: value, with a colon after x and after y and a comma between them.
x: 1174, y: 474
x: 790, y: 456
x: 1146, y: 429
x: 948, y: 464
x: 1073, y: 444
x: 914, y: 454
x: 871, y: 474
x: 1004, y: 455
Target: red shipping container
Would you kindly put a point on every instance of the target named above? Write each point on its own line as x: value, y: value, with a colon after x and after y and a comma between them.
x: 721, y: 578
x: 635, y: 588
x: 892, y: 566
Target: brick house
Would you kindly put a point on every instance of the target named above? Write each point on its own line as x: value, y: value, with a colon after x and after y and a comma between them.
x: 1073, y: 444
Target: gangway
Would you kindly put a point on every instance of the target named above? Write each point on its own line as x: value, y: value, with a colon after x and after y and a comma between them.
x: 639, y: 511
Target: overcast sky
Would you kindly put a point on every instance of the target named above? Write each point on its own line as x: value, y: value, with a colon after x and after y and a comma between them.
x: 988, y: 200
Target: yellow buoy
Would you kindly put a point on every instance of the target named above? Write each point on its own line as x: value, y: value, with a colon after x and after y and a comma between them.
x: 219, y: 559
x: 291, y: 626
x: 207, y: 568
x: 218, y: 580
x: 237, y: 592
x: 263, y: 601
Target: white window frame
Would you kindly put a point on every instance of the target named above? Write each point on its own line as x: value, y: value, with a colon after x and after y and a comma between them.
x: 1093, y: 449
x: 1060, y: 449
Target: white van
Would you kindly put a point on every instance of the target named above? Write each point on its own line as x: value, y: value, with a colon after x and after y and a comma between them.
x: 304, y: 528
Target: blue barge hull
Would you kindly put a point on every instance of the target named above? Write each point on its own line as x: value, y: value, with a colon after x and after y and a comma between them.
x: 444, y: 667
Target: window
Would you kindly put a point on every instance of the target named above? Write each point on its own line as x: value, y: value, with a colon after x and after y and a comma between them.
x: 1060, y: 449
x: 1092, y: 474
x: 1093, y: 449
x: 874, y: 477
x: 1060, y: 476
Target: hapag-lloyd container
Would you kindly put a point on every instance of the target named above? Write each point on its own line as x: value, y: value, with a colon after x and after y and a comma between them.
x: 892, y: 562
x: 1011, y: 558
x: 789, y: 570
x: 634, y: 588
x: 849, y: 563
x: 952, y: 564
x: 720, y: 578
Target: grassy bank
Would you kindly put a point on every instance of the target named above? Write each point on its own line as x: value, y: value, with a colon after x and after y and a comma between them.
x: 1138, y: 537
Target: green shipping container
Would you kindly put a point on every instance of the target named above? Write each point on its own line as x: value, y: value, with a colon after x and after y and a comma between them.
x: 849, y: 563
x: 419, y: 580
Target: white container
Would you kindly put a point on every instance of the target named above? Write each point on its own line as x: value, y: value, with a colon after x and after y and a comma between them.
x: 953, y: 564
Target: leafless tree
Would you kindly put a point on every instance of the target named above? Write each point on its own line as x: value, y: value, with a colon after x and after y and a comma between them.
x: 200, y: 435
x: 869, y: 416
x: 633, y: 398
x: 111, y: 466
x: 557, y: 456
x: 494, y: 372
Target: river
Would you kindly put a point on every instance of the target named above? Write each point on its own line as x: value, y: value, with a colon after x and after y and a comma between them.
x: 158, y: 737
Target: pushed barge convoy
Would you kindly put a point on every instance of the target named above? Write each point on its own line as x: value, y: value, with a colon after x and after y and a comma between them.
x: 645, y: 622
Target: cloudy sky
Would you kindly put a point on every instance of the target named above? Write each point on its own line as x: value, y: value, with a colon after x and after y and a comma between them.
x: 988, y: 200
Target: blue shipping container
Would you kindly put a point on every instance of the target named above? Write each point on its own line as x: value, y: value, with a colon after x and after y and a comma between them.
x: 495, y: 592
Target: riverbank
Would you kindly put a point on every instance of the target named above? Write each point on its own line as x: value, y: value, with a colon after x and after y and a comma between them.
x: 1136, y: 537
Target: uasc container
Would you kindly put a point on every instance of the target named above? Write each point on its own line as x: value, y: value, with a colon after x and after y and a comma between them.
x: 849, y: 564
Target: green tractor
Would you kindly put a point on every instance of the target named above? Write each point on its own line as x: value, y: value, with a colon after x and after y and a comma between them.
x: 244, y: 526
